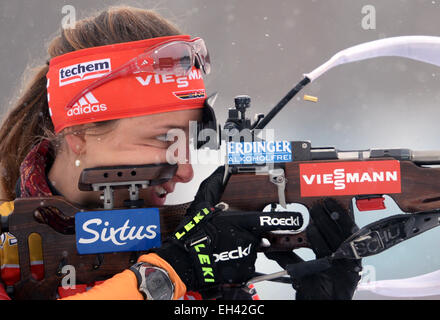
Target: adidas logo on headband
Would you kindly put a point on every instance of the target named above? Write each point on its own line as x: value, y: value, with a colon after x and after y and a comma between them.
x: 85, y: 105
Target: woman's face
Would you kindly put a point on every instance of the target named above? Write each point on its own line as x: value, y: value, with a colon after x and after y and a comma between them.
x: 143, y: 140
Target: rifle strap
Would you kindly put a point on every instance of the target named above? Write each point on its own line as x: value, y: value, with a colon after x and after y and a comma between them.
x: 386, y: 233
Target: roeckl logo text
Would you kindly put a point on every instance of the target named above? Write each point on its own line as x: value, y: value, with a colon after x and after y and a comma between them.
x: 232, y: 255
x: 272, y: 221
x: 84, y: 71
x: 182, y: 82
x: 346, y: 178
x: 85, y: 105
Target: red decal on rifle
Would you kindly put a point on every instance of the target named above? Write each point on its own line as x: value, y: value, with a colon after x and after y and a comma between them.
x: 350, y: 178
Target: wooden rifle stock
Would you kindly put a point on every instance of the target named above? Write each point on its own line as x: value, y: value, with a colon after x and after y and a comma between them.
x: 59, y: 248
x: 420, y: 191
x: 244, y: 191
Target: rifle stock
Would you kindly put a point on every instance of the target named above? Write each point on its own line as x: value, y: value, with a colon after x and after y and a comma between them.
x: 245, y: 191
x: 59, y: 247
x: 419, y: 192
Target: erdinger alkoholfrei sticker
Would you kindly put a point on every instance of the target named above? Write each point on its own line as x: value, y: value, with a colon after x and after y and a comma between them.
x: 117, y: 230
x: 259, y: 152
x: 350, y: 178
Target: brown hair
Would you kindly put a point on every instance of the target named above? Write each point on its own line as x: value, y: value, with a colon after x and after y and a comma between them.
x: 29, y: 122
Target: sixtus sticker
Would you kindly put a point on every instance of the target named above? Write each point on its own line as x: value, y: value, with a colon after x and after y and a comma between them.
x: 117, y: 230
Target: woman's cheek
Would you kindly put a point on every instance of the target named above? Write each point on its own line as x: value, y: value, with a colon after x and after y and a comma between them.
x: 135, y: 156
x: 149, y: 156
x: 178, y: 153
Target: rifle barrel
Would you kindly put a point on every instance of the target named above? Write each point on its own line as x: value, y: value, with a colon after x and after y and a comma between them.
x: 426, y: 157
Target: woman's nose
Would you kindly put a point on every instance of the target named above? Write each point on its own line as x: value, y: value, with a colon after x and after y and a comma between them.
x: 184, y: 173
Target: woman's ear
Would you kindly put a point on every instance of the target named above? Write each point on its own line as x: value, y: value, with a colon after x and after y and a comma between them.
x: 76, y: 143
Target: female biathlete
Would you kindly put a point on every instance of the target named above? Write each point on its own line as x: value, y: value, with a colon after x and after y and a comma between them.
x: 111, y: 89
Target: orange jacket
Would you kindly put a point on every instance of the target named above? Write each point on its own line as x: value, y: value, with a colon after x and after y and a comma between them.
x: 123, y: 286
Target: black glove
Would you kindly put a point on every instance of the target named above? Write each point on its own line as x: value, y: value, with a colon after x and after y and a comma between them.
x: 210, y: 191
x: 330, y: 226
x: 213, y: 247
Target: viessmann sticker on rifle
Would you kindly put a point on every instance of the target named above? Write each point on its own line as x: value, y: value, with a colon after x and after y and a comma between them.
x: 350, y: 178
x: 259, y: 152
x: 117, y: 230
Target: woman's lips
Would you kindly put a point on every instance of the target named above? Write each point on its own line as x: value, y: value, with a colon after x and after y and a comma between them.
x: 159, y: 194
x: 156, y: 200
x: 160, y: 191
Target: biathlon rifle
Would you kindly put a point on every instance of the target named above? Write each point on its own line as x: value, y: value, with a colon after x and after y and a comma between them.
x: 307, y: 175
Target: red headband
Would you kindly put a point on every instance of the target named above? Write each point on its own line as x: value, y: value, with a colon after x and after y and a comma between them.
x: 128, y: 96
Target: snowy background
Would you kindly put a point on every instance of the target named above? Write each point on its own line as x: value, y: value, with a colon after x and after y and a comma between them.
x: 262, y: 48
